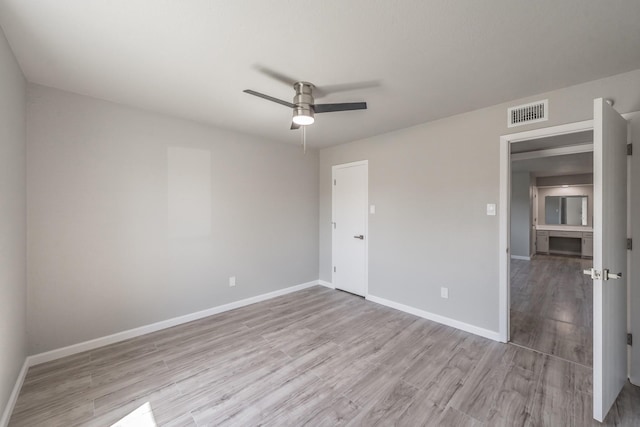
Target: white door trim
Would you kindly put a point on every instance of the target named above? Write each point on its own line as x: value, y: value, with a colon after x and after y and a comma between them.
x: 504, y: 209
x: 366, y: 222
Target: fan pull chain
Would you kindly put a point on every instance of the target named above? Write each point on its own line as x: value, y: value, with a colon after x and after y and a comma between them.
x: 304, y: 139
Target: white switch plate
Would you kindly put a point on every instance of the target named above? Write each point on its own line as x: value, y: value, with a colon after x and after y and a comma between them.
x: 491, y: 209
x: 372, y: 209
x: 444, y: 292
x: 232, y: 281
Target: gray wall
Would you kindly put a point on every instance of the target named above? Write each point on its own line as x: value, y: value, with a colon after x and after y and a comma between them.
x: 13, y: 333
x: 578, y: 190
x: 136, y: 217
x: 430, y: 184
x: 520, y: 214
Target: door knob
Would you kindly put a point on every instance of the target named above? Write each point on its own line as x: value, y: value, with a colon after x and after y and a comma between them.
x: 604, y: 275
x: 608, y: 275
x: 361, y: 237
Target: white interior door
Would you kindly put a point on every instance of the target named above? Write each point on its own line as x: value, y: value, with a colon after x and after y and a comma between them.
x: 609, y: 257
x: 350, y: 239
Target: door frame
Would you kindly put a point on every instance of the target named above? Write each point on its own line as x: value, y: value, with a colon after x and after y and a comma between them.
x: 366, y: 222
x: 505, y: 211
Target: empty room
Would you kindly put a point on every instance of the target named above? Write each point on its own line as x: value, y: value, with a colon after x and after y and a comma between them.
x: 287, y: 213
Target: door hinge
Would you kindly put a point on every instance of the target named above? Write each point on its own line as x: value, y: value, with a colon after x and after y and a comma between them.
x: 334, y: 269
x: 629, y: 339
x: 334, y: 182
x: 629, y: 244
x: 629, y: 149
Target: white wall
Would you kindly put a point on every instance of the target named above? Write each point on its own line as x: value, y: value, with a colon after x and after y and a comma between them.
x: 577, y: 190
x: 13, y: 331
x: 520, y: 214
x: 136, y: 217
x: 430, y: 184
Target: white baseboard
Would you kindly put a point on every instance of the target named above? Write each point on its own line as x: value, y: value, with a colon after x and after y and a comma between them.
x: 524, y: 258
x: 142, y: 330
x: 326, y: 284
x: 13, y: 398
x: 492, y: 335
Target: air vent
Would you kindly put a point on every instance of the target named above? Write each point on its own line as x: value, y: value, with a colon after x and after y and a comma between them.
x: 528, y: 113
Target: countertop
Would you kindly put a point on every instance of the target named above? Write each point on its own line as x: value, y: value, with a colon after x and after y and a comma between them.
x: 546, y: 227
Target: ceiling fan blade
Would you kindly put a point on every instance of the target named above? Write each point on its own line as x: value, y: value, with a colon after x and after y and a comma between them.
x: 345, y: 106
x: 294, y: 126
x: 269, y: 98
x: 288, y: 80
x: 325, y: 90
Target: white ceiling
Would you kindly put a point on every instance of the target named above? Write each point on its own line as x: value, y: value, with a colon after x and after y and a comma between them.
x: 432, y: 59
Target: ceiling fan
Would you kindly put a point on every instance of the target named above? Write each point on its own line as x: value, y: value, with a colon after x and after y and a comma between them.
x: 304, y: 107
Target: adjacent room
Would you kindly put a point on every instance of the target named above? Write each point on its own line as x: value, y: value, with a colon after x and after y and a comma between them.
x: 552, y: 245
x: 287, y: 213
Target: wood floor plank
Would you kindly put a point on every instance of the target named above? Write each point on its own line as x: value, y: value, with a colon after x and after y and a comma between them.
x: 294, y: 408
x: 484, y: 385
x: 515, y: 398
x: 453, y: 418
x: 321, y: 358
x: 336, y: 412
x: 552, y: 306
x: 555, y: 394
x: 420, y: 412
x: 389, y: 408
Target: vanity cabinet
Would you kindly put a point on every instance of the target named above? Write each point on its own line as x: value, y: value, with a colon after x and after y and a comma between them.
x: 565, y: 242
x: 587, y: 245
x: 542, y: 242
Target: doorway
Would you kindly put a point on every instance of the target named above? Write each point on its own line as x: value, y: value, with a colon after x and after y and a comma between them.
x: 551, y: 244
x: 350, y: 237
x: 505, y: 192
x: 609, y: 272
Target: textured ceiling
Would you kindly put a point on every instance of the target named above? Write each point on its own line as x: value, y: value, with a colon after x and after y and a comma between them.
x: 431, y: 59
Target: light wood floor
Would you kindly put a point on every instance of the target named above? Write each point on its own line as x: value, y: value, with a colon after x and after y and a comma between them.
x: 316, y: 357
x: 552, y: 307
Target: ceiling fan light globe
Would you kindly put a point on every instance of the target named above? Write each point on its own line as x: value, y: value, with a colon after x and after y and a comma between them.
x: 303, y: 120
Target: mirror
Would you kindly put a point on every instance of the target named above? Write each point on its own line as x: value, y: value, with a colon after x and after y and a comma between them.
x: 567, y: 210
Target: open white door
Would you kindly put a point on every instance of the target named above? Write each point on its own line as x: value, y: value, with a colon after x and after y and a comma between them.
x: 609, y: 257
x: 349, y: 246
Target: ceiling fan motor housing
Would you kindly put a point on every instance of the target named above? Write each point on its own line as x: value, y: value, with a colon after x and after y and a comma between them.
x: 303, y: 100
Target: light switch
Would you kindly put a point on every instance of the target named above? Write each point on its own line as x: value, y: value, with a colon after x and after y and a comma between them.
x: 491, y: 209
x: 372, y: 209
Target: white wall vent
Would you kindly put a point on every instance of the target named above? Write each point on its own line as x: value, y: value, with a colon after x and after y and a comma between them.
x: 528, y: 113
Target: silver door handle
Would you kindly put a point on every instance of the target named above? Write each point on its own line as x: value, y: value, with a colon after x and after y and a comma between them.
x: 361, y: 237
x: 604, y: 275
x: 608, y: 275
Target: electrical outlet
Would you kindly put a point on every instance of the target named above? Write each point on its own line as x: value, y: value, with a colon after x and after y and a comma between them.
x: 232, y: 281
x: 444, y: 292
